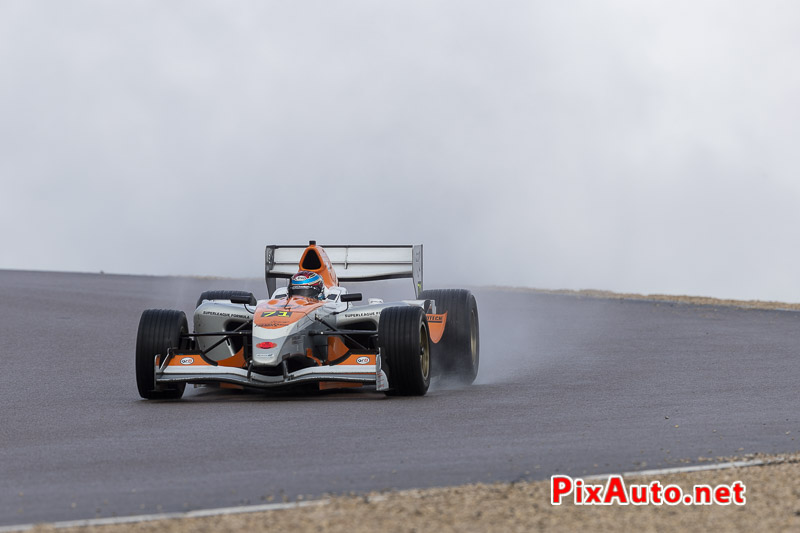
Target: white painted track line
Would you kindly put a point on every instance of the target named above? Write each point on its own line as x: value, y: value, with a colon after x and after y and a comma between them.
x: 686, y: 469
x: 200, y: 513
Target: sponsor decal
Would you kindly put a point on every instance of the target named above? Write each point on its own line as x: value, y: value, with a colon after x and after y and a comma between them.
x: 232, y: 315
x: 362, y: 360
x: 435, y: 318
x: 360, y: 315
x: 187, y: 361
x: 271, y: 324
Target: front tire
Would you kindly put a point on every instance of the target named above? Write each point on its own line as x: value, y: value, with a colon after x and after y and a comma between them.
x: 159, y: 330
x: 457, y: 354
x: 405, y: 347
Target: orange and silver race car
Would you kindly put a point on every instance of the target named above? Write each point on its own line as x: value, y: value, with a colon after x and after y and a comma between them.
x: 309, y: 332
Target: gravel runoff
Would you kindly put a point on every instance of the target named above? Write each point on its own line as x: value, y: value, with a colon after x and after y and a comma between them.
x: 668, y: 298
x: 772, y: 492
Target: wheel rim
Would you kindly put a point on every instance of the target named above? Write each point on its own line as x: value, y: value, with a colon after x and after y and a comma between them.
x: 473, y: 337
x: 424, y: 353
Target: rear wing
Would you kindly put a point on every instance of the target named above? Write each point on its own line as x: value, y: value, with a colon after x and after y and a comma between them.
x: 350, y: 262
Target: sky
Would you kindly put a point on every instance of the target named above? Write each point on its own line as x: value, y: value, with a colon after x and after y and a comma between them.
x: 621, y: 145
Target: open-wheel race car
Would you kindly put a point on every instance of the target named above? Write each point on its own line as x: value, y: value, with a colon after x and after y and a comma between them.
x: 309, y: 333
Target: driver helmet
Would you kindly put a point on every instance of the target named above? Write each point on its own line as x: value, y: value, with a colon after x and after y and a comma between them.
x: 306, y: 284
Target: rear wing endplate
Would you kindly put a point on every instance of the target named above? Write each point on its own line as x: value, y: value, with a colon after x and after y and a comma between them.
x: 351, y: 263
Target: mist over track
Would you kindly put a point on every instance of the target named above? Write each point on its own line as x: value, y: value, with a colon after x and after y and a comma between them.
x: 567, y: 385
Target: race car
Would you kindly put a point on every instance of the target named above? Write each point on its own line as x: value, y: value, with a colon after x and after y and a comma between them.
x: 309, y: 333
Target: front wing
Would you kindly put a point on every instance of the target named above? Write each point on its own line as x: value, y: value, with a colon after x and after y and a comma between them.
x: 191, y: 367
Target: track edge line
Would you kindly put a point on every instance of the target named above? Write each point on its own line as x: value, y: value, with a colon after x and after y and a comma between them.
x: 199, y: 513
x: 687, y: 469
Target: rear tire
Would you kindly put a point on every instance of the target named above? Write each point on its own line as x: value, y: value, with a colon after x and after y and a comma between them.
x: 222, y: 295
x: 159, y: 329
x: 457, y: 354
x: 405, y: 348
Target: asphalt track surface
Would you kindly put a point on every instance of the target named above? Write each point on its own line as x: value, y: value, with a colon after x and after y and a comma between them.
x: 567, y: 385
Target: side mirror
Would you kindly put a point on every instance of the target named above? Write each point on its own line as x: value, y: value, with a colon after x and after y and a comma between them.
x: 352, y: 297
x: 247, y: 299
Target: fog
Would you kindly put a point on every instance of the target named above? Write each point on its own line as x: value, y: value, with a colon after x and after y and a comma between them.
x: 629, y: 146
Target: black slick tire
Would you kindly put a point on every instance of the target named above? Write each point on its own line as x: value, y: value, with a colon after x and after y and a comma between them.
x: 159, y: 329
x: 405, y: 349
x: 457, y: 354
x: 222, y: 295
